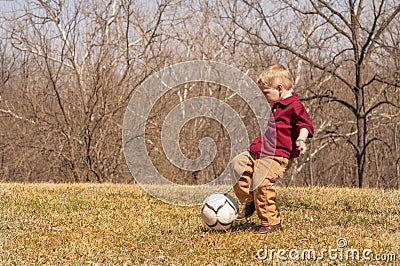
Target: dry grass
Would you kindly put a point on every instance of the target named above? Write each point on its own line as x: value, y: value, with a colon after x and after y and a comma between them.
x: 70, y: 224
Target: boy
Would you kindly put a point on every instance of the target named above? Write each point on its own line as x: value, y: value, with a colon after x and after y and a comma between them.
x: 268, y: 156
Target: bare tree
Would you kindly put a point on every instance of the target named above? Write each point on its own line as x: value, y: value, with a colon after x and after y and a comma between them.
x: 69, y: 68
x: 78, y: 65
x: 343, y: 45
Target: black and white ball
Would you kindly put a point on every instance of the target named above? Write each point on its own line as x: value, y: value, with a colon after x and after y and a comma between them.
x: 219, y: 211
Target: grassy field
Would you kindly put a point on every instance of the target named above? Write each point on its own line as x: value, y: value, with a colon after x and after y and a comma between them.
x: 104, y: 224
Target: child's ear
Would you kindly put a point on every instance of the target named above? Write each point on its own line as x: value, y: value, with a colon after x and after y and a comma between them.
x: 279, y: 87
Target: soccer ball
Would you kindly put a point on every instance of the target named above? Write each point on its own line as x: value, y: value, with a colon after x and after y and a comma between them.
x: 219, y: 211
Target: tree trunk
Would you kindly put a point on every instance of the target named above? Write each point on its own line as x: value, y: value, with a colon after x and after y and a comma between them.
x: 361, y: 131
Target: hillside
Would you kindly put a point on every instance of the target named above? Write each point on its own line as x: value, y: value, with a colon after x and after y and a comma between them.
x: 105, y: 224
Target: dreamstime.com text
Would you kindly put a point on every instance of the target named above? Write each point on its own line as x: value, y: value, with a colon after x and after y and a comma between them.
x: 339, y: 253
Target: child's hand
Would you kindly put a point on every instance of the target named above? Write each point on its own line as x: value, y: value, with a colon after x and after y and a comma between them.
x: 301, y: 146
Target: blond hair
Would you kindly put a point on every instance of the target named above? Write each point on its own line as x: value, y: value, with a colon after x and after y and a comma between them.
x: 274, y: 75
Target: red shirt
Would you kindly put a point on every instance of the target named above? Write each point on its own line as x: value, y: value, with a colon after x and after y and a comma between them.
x: 288, y: 116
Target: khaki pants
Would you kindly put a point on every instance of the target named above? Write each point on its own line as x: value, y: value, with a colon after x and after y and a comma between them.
x: 257, y: 183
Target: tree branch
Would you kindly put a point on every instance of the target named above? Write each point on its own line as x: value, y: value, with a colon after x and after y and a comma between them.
x: 379, y: 104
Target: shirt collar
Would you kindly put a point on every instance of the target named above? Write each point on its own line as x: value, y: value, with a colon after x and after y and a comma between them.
x: 288, y: 100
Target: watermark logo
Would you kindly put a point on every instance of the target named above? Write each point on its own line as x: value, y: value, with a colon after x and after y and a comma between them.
x: 341, y: 242
x: 147, y: 95
x: 339, y: 253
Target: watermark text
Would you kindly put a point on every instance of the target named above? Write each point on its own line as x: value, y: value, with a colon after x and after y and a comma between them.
x: 339, y: 253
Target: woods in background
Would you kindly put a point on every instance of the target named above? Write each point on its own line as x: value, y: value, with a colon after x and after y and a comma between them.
x: 68, y: 69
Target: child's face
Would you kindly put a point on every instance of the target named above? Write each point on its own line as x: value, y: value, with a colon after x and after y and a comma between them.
x: 271, y: 93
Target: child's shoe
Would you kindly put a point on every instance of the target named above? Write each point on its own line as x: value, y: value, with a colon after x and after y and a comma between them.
x: 269, y: 229
x: 247, y: 212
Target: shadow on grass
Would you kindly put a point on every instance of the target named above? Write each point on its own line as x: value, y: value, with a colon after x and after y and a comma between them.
x: 237, y: 226
x: 245, y: 226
